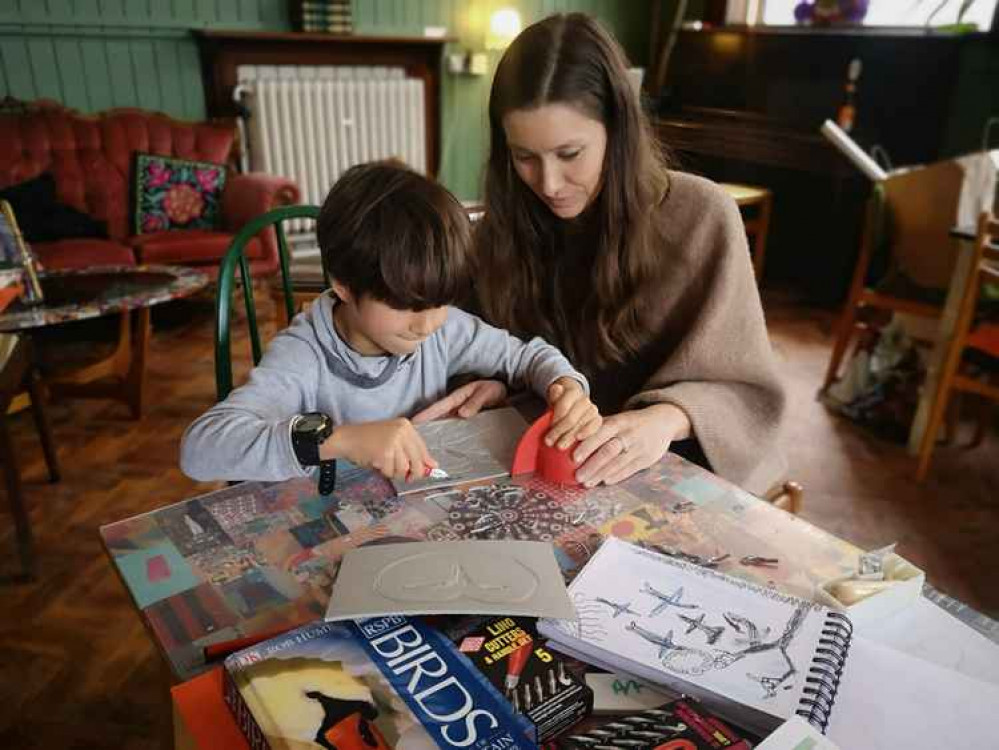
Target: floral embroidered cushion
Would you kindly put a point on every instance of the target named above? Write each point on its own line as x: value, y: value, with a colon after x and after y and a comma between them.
x: 176, y: 194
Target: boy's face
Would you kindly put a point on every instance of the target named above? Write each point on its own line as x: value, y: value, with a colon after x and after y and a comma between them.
x: 374, y: 328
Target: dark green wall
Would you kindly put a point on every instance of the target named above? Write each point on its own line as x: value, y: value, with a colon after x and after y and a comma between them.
x: 96, y: 54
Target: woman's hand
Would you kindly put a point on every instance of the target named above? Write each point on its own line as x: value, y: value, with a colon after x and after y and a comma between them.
x: 629, y: 442
x: 465, y: 402
x: 574, y: 416
x: 392, y: 446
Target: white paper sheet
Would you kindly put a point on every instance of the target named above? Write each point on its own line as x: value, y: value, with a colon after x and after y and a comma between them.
x: 888, y: 700
x: 926, y: 631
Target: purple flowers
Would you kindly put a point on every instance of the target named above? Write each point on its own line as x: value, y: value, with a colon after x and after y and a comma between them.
x: 823, y: 12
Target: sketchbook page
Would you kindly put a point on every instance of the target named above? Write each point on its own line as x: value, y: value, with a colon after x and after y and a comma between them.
x: 890, y: 700
x: 468, y: 450
x: 749, y: 644
x: 928, y: 632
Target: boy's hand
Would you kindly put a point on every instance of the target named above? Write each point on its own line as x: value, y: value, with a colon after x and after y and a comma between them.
x: 574, y: 416
x: 392, y: 446
x: 465, y: 402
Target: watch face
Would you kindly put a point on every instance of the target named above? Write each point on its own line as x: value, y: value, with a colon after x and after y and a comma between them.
x: 311, y: 422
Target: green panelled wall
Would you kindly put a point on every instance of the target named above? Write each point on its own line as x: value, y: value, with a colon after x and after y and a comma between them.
x: 96, y: 54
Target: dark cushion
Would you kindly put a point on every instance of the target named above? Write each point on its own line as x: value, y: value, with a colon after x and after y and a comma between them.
x: 176, y: 194
x: 42, y: 218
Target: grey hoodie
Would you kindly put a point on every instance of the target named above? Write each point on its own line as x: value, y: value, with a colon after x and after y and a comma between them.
x: 308, y: 367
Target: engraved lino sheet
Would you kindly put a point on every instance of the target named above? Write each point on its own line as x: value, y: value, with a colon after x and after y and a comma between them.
x: 468, y: 450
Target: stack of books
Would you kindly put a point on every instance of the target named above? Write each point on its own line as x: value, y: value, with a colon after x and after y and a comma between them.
x: 330, y: 16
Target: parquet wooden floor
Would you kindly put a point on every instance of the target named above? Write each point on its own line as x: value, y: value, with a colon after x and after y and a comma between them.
x: 79, y: 671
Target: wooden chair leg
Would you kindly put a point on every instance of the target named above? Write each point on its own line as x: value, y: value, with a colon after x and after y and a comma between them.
x: 135, y: 377
x: 788, y: 496
x: 760, y: 240
x: 933, y: 423
x: 35, y: 389
x: 845, y: 330
x: 22, y: 521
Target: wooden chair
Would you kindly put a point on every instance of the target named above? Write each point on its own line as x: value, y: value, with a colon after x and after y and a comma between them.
x: 235, y: 257
x: 17, y: 373
x: 984, y: 338
x: 760, y: 201
x: 911, y: 214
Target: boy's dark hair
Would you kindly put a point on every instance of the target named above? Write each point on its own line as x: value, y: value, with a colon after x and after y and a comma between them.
x: 392, y: 234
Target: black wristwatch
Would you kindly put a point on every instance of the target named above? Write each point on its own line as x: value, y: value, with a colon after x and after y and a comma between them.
x: 308, y: 432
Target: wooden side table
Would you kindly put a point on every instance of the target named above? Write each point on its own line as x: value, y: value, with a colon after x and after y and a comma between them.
x: 82, y: 294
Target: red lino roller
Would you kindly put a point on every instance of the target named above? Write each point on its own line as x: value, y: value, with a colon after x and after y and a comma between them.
x: 533, y: 454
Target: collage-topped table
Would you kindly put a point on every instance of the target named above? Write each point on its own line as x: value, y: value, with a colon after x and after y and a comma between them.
x: 256, y: 557
x: 79, y: 294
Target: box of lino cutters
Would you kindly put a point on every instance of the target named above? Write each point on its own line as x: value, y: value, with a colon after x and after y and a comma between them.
x: 508, y: 652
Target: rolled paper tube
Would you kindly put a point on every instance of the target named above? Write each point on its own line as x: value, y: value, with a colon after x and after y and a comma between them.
x: 851, y: 592
x: 849, y: 148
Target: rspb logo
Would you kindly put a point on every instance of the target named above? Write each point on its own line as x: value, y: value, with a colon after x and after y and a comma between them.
x: 375, y: 626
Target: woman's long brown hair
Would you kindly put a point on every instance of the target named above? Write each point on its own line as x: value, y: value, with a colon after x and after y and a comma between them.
x: 571, y: 60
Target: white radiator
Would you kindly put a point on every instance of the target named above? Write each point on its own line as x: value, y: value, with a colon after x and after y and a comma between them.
x: 311, y: 123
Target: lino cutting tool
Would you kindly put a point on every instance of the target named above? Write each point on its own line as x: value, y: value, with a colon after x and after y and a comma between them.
x: 515, y: 666
x: 761, y: 562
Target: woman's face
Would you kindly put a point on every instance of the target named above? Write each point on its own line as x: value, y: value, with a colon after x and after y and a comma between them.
x: 559, y: 153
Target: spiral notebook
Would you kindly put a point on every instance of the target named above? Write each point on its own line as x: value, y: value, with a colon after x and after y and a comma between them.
x: 751, y: 654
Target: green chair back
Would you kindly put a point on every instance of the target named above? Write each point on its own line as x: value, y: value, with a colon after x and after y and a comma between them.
x: 235, y: 257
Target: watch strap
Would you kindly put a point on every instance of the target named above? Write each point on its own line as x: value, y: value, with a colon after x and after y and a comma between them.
x: 327, y: 476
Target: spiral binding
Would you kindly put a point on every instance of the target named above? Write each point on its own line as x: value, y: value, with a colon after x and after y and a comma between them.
x: 825, y: 671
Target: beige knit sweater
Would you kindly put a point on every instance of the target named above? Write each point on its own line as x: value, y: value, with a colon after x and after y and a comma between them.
x: 709, y: 352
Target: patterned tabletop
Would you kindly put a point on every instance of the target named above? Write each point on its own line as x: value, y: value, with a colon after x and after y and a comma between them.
x: 254, y: 557
x: 76, y: 294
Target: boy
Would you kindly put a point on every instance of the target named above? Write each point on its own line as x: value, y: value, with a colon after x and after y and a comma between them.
x: 342, y: 379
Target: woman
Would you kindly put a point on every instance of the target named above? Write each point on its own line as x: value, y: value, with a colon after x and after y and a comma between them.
x: 640, y: 275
